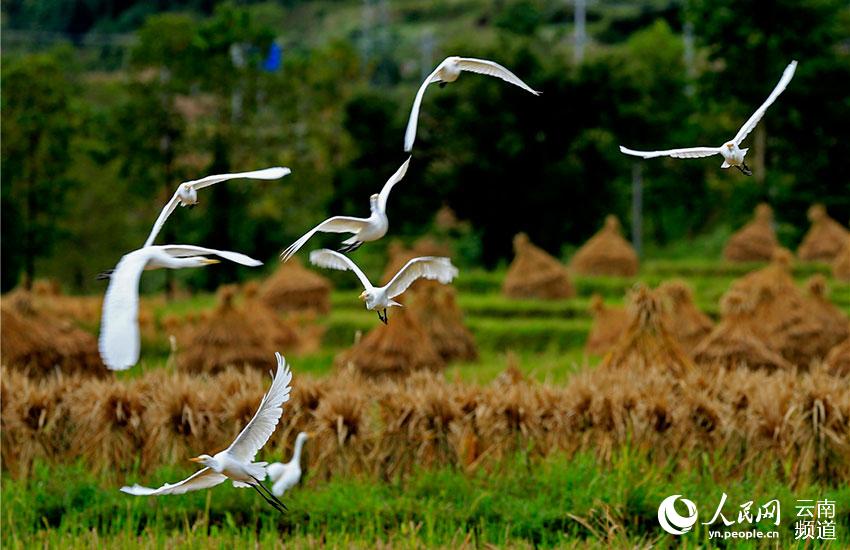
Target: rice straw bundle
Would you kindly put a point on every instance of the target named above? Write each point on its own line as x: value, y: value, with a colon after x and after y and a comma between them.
x: 398, y: 348
x: 684, y: 320
x: 234, y: 335
x: 647, y: 343
x: 609, y: 323
x: 841, y: 263
x: 734, y: 342
x: 293, y: 287
x: 38, y: 344
x: 838, y: 360
x: 825, y: 237
x: 436, y: 310
x: 755, y: 241
x: 535, y: 274
x: 108, y: 417
x: 606, y: 253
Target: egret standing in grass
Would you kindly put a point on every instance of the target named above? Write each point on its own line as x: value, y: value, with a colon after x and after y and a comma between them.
x: 285, y: 476
x: 237, y: 461
x: 365, y: 229
x: 380, y: 298
x: 448, y: 71
x: 187, y: 192
x: 119, y: 340
x: 731, y: 152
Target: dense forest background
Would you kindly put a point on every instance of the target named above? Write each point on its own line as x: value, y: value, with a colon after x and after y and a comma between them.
x: 107, y: 105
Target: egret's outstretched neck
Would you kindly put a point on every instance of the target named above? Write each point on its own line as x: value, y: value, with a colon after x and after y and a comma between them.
x: 296, y: 452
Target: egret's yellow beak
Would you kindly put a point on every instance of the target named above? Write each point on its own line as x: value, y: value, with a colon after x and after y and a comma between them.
x: 729, y: 145
x: 363, y: 296
x: 210, y: 261
x: 195, y: 459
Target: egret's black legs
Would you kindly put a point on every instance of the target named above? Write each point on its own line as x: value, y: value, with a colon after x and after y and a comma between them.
x: 744, y: 169
x: 442, y: 84
x: 346, y: 248
x: 268, y: 501
x: 104, y: 275
x: 271, y: 495
x: 383, y: 317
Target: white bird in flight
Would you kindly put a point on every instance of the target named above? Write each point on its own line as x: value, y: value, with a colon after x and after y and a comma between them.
x: 380, y: 298
x: 119, y: 327
x: 285, y: 476
x: 448, y: 71
x: 237, y: 461
x: 187, y: 192
x: 732, y: 154
x: 365, y: 229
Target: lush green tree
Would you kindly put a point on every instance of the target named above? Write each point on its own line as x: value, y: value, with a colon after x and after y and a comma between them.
x: 39, y: 119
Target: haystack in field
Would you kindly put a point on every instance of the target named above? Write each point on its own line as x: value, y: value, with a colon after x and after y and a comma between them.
x: 108, y: 416
x: 48, y: 299
x: 647, y: 343
x: 756, y: 241
x: 295, y: 288
x: 838, y: 360
x: 841, y: 263
x: 609, y: 323
x: 733, y: 342
x: 825, y: 237
x: 234, y: 335
x: 684, y: 320
x: 606, y: 253
x: 436, y: 310
x: 835, y: 326
x: 783, y: 317
x: 39, y: 344
x: 398, y: 348
x: 535, y: 274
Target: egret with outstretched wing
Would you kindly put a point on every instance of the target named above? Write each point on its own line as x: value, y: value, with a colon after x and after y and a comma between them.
x: 237, y: 461
x: 119, y: 326
x: 364, y: 229
x: 731, y: 152
x: 187, y: 192
x: 448, y: 71
x: 380, y: 298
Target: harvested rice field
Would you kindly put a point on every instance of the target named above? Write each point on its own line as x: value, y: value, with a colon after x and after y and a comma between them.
x: 493, y: 425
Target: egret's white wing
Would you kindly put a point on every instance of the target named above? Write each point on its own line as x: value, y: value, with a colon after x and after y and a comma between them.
x: 410, y: 132
x: 262, y: 426
x: 330, y: 259
x: 337, y: 224
x: 266, y: 174
x: 394, y: 179
x: 119, y: 325
x: 426, y: 267
x: 689, y: 153
x: 202, y: 479
x: 160, y: 221
x: 183, y: 250
x: 491, y: 68
x: 748, y: 126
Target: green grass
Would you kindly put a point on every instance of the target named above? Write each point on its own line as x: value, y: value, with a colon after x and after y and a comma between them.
x: 558, y: 501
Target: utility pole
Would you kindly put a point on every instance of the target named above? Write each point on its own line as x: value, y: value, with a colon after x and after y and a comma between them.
x: 579, y: 32
x: 637, y: 208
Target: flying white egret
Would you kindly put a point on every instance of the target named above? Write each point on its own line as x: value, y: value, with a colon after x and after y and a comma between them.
x: 187, y: 192
x: 730, y: 151
x: 237, y: 461
x: 119, y: 327
x: 285, y: 476
x: 365, y: 229
x: 448, y: 71
x: 380, y: 298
